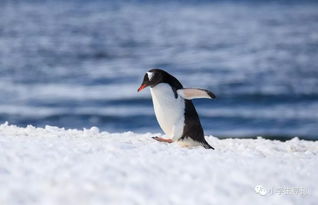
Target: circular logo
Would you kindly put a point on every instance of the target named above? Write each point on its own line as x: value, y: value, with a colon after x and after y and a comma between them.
x: 259, y: 189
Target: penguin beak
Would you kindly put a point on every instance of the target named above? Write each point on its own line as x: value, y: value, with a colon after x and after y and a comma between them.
x: 142, y: 87
x: 144, y: 83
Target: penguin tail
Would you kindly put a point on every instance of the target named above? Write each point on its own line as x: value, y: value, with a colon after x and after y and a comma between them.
x: 207, y: 146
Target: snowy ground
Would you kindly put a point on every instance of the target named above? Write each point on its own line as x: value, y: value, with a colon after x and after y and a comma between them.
x: 58, y: 166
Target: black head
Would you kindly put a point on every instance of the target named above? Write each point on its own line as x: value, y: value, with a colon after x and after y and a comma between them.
x: 155, y: 76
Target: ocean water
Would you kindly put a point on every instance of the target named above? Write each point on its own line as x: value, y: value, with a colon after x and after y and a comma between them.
x: 77, y: 64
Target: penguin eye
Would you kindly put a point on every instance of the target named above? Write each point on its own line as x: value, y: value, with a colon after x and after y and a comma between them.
x: 150, y: 75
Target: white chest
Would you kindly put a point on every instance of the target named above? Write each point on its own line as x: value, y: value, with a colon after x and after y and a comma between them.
x: 169, y: 110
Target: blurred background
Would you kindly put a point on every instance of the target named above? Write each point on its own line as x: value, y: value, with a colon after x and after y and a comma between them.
x: 77, y: 64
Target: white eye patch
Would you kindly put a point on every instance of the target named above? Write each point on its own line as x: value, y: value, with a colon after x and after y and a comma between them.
x: 150, y: 75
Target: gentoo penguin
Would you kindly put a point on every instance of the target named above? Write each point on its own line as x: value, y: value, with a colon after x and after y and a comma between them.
x: 174, y: 109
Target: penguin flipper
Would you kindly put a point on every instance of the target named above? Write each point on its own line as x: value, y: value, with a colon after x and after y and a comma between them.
x: 193, y: 93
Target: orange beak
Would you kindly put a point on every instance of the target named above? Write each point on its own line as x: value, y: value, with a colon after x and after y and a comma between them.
x: 142, y: 87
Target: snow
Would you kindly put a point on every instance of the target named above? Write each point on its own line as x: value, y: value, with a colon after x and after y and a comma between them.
x: 57, y: 166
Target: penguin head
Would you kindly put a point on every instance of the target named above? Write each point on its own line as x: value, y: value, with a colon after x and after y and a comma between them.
x: 152, y: 78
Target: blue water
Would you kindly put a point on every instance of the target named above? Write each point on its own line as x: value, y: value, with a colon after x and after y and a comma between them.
x: 78, y: 64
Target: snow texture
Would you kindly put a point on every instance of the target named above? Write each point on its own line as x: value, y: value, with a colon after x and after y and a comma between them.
x: 56, y: 166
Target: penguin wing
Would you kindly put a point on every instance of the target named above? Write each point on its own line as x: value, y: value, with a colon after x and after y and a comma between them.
x: 193, y: 93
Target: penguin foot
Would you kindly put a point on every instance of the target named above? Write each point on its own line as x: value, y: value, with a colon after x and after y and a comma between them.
x: 162, y: 139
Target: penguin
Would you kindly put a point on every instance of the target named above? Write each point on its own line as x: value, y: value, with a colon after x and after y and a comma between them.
x: 174, y: 109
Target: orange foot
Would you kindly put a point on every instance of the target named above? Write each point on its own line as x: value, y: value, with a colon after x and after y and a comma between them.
x: 162, y: 139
